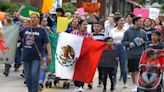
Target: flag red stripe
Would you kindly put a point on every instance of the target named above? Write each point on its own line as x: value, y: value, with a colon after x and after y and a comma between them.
x: 88, y: 61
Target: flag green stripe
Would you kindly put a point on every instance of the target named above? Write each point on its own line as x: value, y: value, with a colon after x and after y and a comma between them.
x: 53, y: 41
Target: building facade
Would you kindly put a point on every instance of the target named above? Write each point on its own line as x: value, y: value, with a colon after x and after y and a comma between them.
x: 106, y: 6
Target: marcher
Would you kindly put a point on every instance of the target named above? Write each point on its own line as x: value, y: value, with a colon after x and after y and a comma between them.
x: 158, y: 25
x: 148, y: 27
x: 34, y: 37
x: 129, y: 21
x: 7, y: 22
x: 81, y: 32
x: 97, y: 35
x: 134, y: 39
x: 155, y: 42
x: 109, y: 24
x: 73, y: 25
x: 117, y: 34
x: 42, y: 75
x: 108, y: 64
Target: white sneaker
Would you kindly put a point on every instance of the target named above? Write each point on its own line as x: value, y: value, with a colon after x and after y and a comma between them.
x: 80, y: 89
x: 125, y: 86
x: 76, y: 89
x: 128, y: 76
x: 134, y: 88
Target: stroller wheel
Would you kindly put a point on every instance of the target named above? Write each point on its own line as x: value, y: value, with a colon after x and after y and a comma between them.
x: 65, y: 85
x: 46, y: 84
x: 159, y: 89
x: 50, y: 84
x: 55, y: 82
x: 68, y: 85
x: 139, y: 90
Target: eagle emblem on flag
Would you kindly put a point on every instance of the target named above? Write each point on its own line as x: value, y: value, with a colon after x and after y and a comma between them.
x: 66, y: 56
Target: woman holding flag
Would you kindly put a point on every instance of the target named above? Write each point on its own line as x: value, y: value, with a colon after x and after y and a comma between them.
x: 81, y: 32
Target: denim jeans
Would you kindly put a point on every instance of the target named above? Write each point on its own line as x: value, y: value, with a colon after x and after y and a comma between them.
x: 18, y: 58
x: 7, y: 69
x: 31, y: 69
x: 123, y: 63
x: 42, y: 74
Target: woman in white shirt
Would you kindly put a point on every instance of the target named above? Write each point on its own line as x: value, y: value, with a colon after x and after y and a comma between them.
x: 117, y: 34
x: 109, y: 24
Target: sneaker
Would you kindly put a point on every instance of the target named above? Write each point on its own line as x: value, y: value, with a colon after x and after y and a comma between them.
x: 40, y: 87
x: 112, y: 88
x: 125, y: 86
x: 76, y: 89
x: 80, y: 89
x: 5, y: 73
x: 128, y: 76
x: 134, y: 88
x: 90, y: 86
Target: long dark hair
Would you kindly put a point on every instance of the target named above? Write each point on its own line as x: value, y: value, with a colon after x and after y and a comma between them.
x: 116, y: 19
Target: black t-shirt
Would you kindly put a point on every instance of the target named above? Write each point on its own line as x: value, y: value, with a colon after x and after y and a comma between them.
x: 160, y: 45
x: 149, y: 32
x: 29, y: 50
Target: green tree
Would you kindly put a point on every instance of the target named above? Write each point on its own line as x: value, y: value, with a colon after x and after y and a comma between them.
x: 69, y: 7
x: 8, y: 7
x: 161, y: 2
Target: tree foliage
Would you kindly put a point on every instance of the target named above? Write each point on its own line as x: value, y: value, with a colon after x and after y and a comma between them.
x: 161, y: 2
x: 9, y: 7
x: 69, y: 7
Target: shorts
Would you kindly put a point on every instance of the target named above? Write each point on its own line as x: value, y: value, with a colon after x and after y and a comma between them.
x: 133, y: 65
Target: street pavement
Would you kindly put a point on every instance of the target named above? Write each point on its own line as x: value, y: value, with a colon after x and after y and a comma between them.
x: 14, y: 83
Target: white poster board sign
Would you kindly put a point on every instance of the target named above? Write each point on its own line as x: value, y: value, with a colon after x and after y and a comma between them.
x: 153, y: 13
x: 56, y: 4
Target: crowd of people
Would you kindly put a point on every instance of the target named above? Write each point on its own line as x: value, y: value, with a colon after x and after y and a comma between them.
x: 129, y: 37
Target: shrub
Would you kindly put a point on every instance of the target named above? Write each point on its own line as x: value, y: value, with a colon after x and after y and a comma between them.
x: 69, y: 7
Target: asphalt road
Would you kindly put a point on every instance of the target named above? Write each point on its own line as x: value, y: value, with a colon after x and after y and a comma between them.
x: 14, y: 83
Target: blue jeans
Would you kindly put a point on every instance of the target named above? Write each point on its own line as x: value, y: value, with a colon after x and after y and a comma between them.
x: 123, y: 63
x: 31, y: 70
x: 18, y: 58
x: 42, y: 74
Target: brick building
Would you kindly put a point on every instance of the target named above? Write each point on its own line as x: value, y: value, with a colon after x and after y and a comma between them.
x: 106, y: 6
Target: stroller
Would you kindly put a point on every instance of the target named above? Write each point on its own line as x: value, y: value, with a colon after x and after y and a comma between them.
x: 158, y: 83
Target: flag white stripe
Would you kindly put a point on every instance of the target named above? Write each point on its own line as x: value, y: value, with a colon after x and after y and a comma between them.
x: 65, y: 39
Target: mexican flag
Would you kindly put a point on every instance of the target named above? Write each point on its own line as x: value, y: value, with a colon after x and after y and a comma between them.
x: 53, y: 41
x: 77, y: 57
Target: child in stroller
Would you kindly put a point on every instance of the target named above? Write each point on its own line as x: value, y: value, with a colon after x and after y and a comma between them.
x: 151, y: 73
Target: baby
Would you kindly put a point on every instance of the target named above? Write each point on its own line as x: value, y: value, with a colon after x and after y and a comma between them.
x: 150, y: 74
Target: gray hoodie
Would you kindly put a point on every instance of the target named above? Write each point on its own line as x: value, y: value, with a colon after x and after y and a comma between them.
x: 129, y: 37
